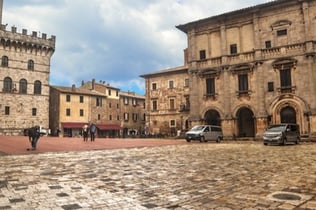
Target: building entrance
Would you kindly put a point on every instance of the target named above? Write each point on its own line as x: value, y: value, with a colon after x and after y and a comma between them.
x: 212, y: 117
x: 288, y: 115
x: 246, y: 124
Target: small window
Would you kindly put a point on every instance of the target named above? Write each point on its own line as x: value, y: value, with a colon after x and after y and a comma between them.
x: 68, y: 98
x: 210, y: 86
x: 7, y: 110
x: 233, y: 49
x: 134, y: 101
x: 172, y: 103
x: 67, y: 112
x: 110, y: 117
x: 110, y: 92
x: 5, y: 61
x: 99, y: 117
x: 154, y: 86
x: 172, y: 123
x: 7, y: 85
x: 98, y: 101
x: 81, y: 112
x: 155, y: 105
x: 126, y: 115
x: 37, y: 87
x: 268, y: 44
x: 110, y: 105
x: 243, y: 83
x: 126, y: 101
x: 81, y: 99
x: 30, y: 65
x: 270, y: 87
x: 135, y: 117
x: 34, y: 111
x: 202, y: 55
x: 23, y: 86
x: 171, y: 84
x: 186, y: 82
x: 282, y: 32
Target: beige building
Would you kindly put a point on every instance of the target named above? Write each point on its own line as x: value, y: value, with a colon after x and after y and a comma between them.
x: 132, y: 112
x: 107, y: 114
x: 24, y: 79
x: 249, y: 68
x: 167, y: 101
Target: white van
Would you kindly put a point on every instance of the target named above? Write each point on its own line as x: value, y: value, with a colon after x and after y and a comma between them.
x: 204, y: 133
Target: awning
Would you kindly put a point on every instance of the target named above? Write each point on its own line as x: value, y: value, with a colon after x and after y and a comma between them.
x: 73, y: 124
x: 109, y: 127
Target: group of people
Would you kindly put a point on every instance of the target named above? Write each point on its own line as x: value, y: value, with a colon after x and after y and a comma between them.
x: 89, y: 129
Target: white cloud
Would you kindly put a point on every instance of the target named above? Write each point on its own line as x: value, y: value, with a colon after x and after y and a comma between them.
x: 115, y: 40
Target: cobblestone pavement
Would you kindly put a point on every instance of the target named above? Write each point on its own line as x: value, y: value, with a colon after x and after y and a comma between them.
x: 235, y: 175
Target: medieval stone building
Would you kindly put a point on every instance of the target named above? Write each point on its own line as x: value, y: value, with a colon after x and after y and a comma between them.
x: 252, y: 67
x: 24, y: 79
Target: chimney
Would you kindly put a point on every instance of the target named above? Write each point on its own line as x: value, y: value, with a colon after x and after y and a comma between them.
x: 93, y: 84
x: 73, y: 88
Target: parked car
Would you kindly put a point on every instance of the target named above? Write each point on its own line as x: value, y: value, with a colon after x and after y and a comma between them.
x: 282, y: 134
x: 204, y: 133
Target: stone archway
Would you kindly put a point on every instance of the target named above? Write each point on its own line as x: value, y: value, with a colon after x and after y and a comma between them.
x: 212, y: 117
x: 288, y: 115
x: 245, y: 122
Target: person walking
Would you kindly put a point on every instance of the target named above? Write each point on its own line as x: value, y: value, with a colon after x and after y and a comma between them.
x: 85, y: 132
x: 93, y: 128
x: 34, y: 135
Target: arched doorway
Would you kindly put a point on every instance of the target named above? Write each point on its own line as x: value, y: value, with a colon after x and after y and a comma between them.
x: 212, y: 117
x: 246, y: 124
x: 288, y: 115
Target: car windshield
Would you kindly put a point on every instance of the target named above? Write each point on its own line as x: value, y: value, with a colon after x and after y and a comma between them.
x: 276, y: 128
x: 197, y: 128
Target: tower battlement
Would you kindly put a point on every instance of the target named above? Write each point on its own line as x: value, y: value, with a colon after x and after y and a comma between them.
x: 35, y: 37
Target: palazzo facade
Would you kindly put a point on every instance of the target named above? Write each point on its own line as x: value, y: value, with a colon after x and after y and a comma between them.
x: 252, y: 67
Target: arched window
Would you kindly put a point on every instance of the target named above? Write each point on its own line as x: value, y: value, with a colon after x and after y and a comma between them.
x: 23, y: 86
x: 30, y: 65
x: 37, y: 87
x: 7, y: 85
x: 4, y: 61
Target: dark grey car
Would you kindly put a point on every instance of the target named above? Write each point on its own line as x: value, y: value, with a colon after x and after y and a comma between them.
x: 282, y: 134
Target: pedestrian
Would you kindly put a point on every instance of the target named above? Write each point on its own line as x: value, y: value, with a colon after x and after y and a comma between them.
x: 85, y: 132
x: 93, y: 128
x: 34, y: 135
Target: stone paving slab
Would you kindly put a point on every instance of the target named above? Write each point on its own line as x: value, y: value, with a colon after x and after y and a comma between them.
x: 190, y: 176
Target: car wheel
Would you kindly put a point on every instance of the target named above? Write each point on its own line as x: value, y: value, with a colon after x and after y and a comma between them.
x: 219, y: 139
x: 297, y: 141
x: 265, y: 144
x: 188, y: 140
x: 202, y: 139
x: 284, y: 141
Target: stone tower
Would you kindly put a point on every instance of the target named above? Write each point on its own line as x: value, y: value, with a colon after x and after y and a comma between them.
x: 24, y: 79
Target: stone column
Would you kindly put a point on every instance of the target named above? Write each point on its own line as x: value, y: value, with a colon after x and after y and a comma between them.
x: 1, y: 9
x: 261, y: 115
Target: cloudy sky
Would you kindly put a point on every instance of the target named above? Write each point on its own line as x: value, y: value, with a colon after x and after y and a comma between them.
x: 113, y: 40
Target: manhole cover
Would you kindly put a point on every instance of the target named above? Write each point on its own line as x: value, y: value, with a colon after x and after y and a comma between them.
x: 287, y: 196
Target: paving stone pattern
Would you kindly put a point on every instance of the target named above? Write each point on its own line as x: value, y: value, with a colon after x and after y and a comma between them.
x: 192, y: 176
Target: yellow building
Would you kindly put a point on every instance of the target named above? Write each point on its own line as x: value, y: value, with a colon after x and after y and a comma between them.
x: 71, y: 109
x: 250, y: 68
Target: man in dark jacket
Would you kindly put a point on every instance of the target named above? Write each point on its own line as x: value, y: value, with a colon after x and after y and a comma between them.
x: 34, y: 134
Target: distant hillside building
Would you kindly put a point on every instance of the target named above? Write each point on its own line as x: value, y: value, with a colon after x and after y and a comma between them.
x: 250, y: 68
x: 24, y: 79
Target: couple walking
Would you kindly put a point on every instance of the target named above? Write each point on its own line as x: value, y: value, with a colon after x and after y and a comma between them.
x: 89, y: 129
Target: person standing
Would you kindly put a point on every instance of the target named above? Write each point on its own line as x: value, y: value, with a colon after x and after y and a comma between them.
x: 85, y: 132
x: 93, y: 129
